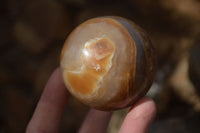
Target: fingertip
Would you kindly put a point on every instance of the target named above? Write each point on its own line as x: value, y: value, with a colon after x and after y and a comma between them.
x: 139, y: 116
x: 144, y: 106
x: 55, y: 79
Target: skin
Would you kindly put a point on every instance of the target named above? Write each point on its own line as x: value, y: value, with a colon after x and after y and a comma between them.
x: 49, y: 110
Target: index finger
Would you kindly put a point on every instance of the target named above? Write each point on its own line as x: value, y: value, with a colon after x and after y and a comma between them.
x: 50, y: 107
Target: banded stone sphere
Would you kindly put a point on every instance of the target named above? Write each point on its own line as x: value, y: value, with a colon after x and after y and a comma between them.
x: 108, y: 63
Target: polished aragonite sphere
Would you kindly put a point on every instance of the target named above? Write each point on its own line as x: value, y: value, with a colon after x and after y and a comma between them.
x: 108, y: 63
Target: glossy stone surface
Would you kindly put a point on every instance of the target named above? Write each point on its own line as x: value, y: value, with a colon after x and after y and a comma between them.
x: 107, y: 63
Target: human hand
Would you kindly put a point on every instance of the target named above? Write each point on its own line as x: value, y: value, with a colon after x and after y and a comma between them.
x: 49, y: 110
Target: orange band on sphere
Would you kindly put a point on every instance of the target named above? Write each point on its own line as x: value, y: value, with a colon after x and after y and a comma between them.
x: 96, y: 61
